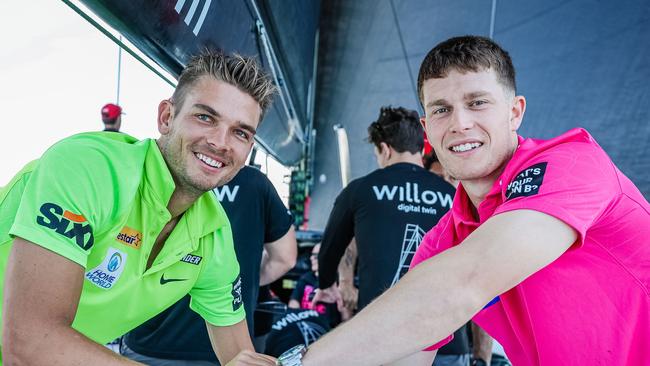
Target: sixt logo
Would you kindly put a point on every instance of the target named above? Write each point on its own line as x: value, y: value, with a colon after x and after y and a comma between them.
x: 130, y: 237
x: 54, y: 217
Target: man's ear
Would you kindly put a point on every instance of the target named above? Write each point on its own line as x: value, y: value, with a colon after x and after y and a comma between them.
x: 165, y: 115
x: 384, y: 150
x: 517, y: 112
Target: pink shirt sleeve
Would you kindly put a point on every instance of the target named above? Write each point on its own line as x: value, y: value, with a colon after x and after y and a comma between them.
x: 574, y: 182
x: 429, y: 247
x: 431, y: 243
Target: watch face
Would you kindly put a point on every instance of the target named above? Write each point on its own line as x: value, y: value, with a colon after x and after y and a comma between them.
x: 292, y: 356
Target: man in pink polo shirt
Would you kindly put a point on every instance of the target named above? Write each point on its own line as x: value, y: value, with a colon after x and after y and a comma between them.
x: 547, y: 246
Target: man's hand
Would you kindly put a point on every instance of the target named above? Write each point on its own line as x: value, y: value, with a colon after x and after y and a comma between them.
x: 330, y: 295
x: 251, y: 358
x: 350, y: 296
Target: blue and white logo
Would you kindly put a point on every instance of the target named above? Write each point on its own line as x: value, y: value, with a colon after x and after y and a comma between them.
x: 106, y: 274
x: 114, y: 263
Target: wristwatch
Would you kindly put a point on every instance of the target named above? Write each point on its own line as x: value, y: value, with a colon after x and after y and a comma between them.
x: 293, y: 356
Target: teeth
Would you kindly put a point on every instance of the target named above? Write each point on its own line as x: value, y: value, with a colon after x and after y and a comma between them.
x: 466, y: 147
x: 211, y: 162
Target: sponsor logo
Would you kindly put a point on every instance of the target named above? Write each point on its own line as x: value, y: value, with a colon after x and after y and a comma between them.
x: 130, y: 237
x: 413, y: 235
x: 225, y: 192
x: 109, y: 271
x: 236, y: 294
x: 527, y: 182
x: 115, y: 262
x: 192, y: 259
x: 294, y: 317
x: 66, y: 223
x: 164, y: 280
x: 410, y: 192
x: 412, y: 199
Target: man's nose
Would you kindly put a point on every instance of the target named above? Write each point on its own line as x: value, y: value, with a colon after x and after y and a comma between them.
x: 218, y: 137
x: 461, y: 120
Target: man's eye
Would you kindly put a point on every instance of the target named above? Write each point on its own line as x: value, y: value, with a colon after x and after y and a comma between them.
x: 440, y: 110
x: 204, y: 117
x: 242, y: 134
x: 477, y: 103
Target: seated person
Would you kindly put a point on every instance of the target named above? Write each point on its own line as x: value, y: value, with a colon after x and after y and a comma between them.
x: 303, y: 294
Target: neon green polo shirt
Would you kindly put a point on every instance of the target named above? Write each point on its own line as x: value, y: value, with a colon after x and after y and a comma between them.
x: 99, y: 199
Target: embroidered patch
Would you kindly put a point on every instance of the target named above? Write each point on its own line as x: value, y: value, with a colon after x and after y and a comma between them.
x: 130, y: 237
x: 527, y: 182
x: 108, y: 272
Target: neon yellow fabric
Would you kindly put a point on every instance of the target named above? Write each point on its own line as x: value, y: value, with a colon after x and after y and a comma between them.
x: 99, y: 199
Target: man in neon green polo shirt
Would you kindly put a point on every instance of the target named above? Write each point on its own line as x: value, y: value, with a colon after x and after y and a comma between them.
x: 103, y: 231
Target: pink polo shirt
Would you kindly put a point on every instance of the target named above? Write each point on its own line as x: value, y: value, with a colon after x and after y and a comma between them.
x: 591, y: 306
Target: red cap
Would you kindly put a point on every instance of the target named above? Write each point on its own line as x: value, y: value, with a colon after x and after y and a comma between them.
x: 427, y: 146
x: 111, y: 111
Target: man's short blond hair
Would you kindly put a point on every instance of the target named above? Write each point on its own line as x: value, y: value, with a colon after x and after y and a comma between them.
x: 237, y: 70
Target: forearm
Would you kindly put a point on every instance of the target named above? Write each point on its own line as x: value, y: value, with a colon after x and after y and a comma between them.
x: 38, y: 314
x: 422, y: 358
x: 346, y: 266
x: 482, y: 344
x: 445, y: 291
x: 60, y: 345
x: 273, y: 268
x: 228, y: 341
x: 436, y: 306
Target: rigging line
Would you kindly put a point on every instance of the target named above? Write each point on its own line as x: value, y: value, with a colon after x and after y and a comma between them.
x: 119, y: 72
x: 406, y: 59
x: 493, y: 18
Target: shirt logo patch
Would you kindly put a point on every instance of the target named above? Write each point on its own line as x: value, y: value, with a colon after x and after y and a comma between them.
x: 236, y: 294
x: 130, y: 237
x: 66, y: 223
x: 108, y: 272
x: 527, y: 182
x: 192, y: 259
x: 164, y: 280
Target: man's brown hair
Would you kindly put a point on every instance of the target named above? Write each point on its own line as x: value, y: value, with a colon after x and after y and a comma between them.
x: 467, y: 53
x: 239, y: 71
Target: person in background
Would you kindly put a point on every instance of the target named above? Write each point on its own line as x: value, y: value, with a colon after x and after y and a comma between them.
x: 112, y: 117
x: 306, y: 286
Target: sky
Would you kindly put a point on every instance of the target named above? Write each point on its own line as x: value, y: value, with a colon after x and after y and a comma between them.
x: 57, y: 71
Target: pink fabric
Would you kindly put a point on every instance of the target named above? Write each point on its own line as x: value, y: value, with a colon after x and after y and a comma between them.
x: 591, y: 306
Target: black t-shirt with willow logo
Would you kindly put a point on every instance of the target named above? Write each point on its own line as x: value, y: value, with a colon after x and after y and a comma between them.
x: 257, y: 216
x: 388, y: 212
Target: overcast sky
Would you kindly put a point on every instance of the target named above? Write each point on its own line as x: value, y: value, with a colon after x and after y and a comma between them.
x: 57, y: 72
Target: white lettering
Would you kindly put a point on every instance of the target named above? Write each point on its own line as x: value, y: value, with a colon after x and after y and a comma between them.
x: 429, y: 197
x: 226, y: 192
x: 390, y: 194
